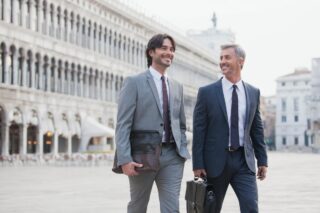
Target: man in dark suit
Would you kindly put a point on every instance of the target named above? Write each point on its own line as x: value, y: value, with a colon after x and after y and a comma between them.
x: 153, y: 102
x: 228, y: 133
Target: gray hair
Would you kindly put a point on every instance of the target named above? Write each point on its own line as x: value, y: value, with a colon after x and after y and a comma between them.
x: 238, y: 50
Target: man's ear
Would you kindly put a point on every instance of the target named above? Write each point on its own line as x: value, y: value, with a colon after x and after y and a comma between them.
x: 241, y: 61
x: 151, y: 52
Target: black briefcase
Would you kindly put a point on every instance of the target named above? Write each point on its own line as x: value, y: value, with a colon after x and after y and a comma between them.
x: 200, y: 197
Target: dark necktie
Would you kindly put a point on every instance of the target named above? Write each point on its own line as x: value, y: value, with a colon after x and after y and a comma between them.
x: 165, y: 107
x: 234, y: 119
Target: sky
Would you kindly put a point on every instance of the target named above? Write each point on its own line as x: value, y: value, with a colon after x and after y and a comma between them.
x: 277, y: 35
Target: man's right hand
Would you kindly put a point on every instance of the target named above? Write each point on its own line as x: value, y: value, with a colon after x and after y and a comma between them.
x: 129, y: 168
x: 200, y: 173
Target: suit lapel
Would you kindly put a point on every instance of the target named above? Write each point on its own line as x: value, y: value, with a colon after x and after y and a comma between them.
x: 221, y: 100
x: 246, y: 89
x: 154, y: 90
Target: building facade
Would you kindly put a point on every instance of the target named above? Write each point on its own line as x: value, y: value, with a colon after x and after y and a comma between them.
x: 63, y: 63
x: 268, y: 115
x: 292, y: 112
x: 315, y: 103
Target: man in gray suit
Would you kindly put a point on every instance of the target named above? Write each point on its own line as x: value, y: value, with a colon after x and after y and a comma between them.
x: 228, y: 133
x: 152, y: 102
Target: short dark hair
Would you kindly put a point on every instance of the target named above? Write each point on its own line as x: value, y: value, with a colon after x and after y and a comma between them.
x: 156, y: 42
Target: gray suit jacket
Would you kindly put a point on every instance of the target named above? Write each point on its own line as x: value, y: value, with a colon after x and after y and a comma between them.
x: 139, y: 109
x: 211, y: 130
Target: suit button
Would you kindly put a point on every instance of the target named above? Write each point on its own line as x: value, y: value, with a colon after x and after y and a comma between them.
x: 161, y: 124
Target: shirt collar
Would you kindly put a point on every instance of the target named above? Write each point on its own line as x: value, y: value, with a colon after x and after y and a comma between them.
x: 157, y: 74
x: 228, y: 84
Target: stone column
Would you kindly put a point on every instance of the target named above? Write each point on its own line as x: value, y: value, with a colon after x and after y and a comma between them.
x: 41, y: 21
x: 48, y: 80
x: 128, y: 51
x: 97, y: 91
x: 75, y: 82
x: 55, y: 147
x: 23, y: 139
x: 32, y: 15
x: 6, y: 10
x: 40, y: 142
x: 68, y: 80
x: 53, y: 23
x: 81, y: 84
x: 5, y: 61
x: 91, y: 37
x: 24, y: 70
x: 32, y: 72
x: 69, y: 141
x: 54, y: 87
x: 40, y: 73
x: 87, y: 93
x: 62, y: 78
x: 23, y: 15
x: 15, y: 9
x: 83, y: 34
x: 65, y: 27
x: 113, y: 89
x: 5, y: 139
x: 15, y: 68
x: 102, y: 86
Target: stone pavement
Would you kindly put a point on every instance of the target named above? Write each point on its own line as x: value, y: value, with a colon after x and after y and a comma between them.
x: 292, y: 185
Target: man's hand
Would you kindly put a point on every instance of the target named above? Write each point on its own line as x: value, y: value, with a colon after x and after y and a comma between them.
x: 129, y: 168
x: 199, y: 173
x: 262, y: 172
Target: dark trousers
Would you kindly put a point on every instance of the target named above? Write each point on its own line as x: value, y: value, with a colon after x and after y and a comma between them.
x: 241, y: 178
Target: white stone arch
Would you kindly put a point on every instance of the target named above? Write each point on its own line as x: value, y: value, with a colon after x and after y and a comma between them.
x: 16, y: 120
x: 63, y: 132
x: 48, y: 138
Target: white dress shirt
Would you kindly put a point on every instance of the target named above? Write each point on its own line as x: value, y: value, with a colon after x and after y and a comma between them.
x: 227, y: 87
x: 158, y: 82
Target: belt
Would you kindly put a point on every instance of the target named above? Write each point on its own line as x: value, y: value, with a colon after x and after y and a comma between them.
x: 168, y: 143
x: 230, y: 149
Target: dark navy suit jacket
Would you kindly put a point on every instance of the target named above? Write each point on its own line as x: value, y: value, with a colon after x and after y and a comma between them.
x: 211, y: 130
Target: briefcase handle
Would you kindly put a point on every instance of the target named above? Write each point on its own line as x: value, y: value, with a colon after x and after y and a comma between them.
x: 200, y: 179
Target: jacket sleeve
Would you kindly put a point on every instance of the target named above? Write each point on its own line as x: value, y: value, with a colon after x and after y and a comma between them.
x: 126, y: 109
x: 199, y: 131
x: 257, y: 137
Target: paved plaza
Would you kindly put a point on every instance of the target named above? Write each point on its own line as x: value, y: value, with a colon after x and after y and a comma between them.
x: 292, y: 185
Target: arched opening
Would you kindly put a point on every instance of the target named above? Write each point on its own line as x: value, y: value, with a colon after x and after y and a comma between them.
x: 47, y: 142
x: 14, y: 139
x: 63, y: 144
x: 75, y: 143
x: 32, y: 132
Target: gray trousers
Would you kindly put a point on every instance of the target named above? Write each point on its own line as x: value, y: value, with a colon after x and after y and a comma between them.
x: 168, y: 180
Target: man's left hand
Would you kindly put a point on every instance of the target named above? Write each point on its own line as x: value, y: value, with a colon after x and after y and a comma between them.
x: 262, y: 172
